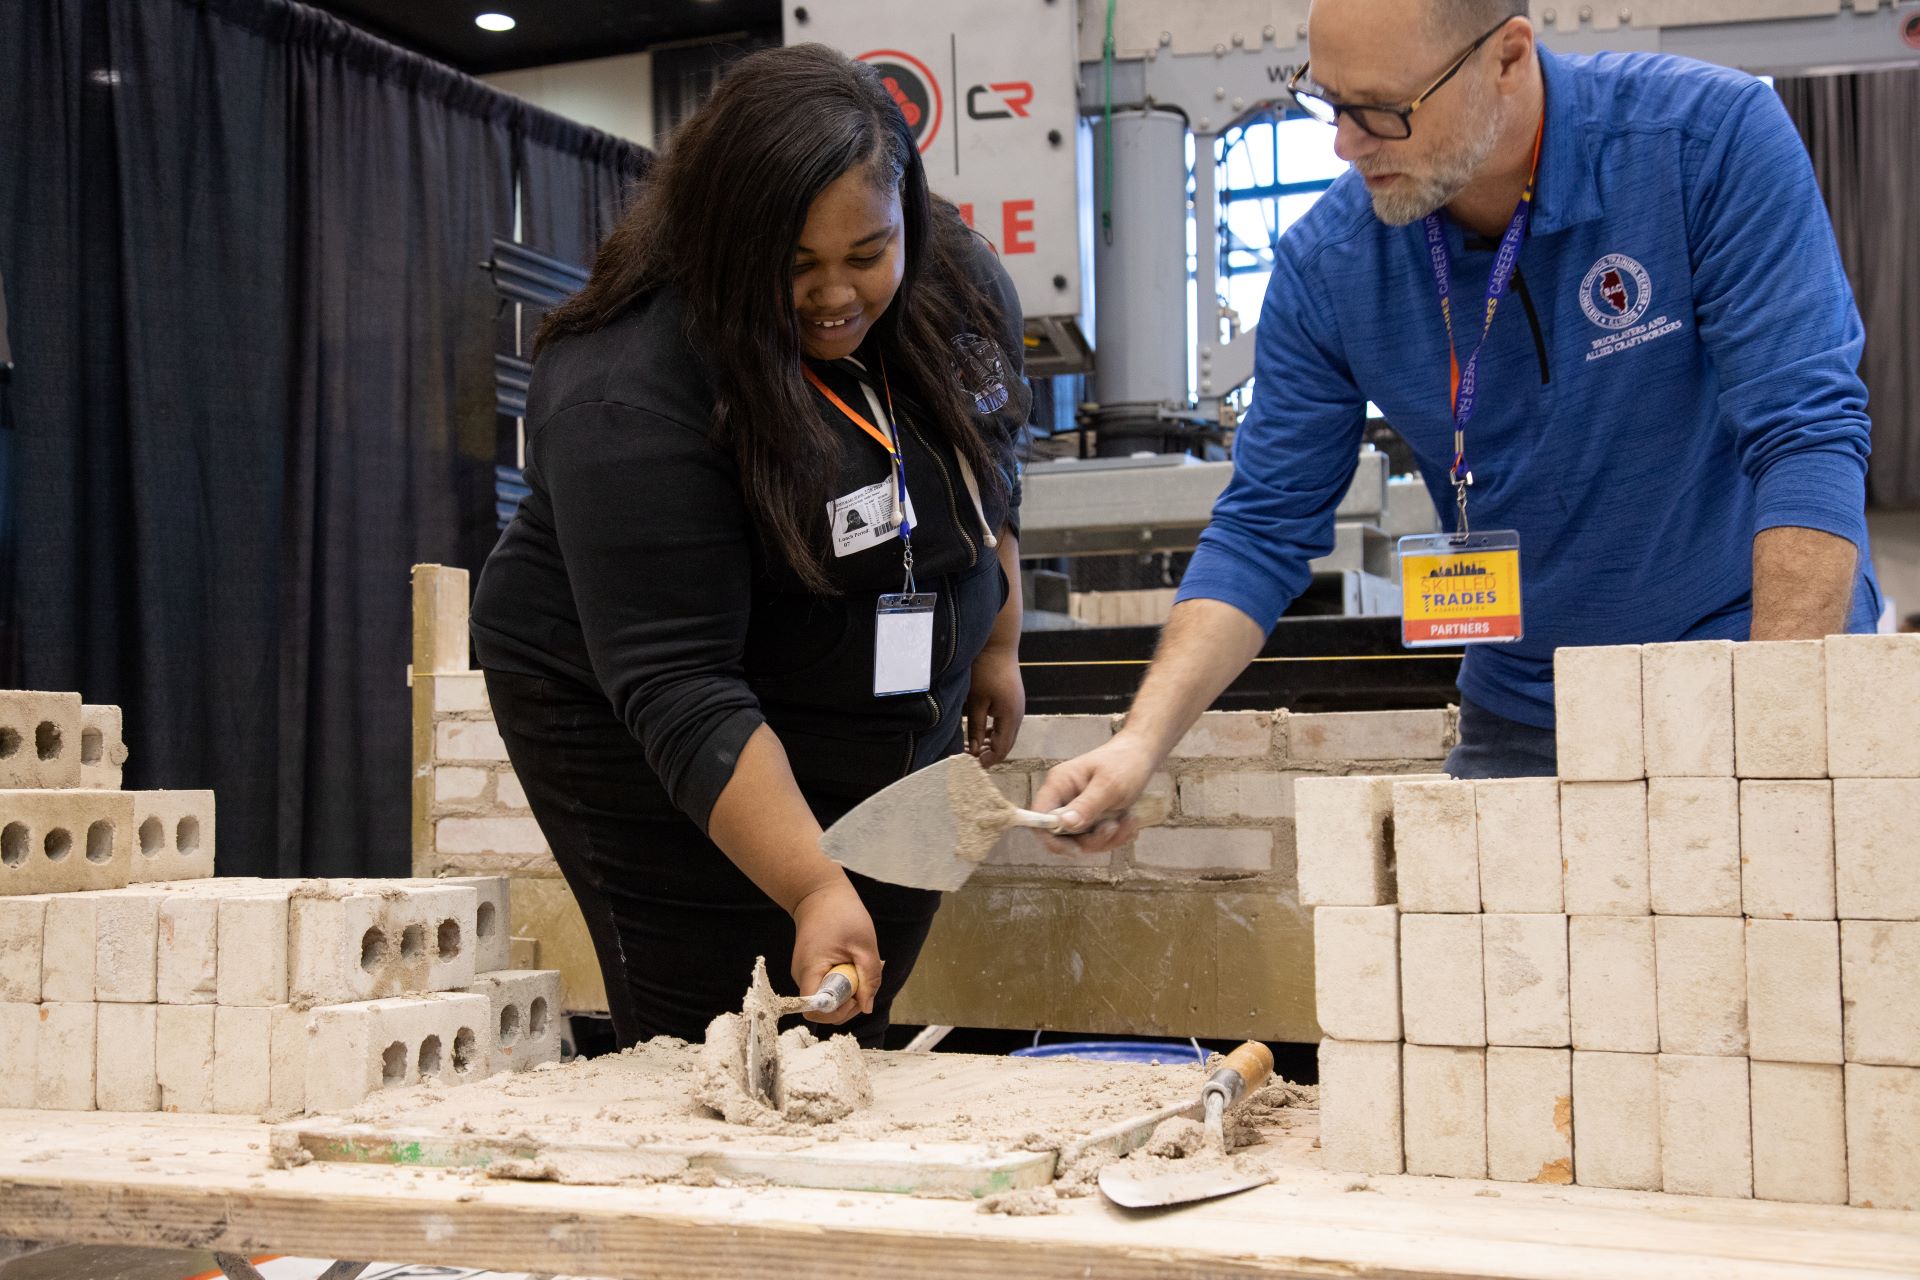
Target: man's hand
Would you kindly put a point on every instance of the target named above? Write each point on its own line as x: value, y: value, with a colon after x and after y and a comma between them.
x: 1802, y: 583
x: 996, y: 703
x: 1092, y: 793
x: 831, y: 926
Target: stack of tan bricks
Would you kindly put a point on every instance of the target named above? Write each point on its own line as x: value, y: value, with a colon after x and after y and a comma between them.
x: 132, y: 981
x: 1691, y: 963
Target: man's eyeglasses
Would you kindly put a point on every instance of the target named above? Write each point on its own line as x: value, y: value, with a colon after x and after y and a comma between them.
x: 1389, y: 123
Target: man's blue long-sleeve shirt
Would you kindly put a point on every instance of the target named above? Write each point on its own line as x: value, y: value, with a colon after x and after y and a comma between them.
x: 1673, y: 372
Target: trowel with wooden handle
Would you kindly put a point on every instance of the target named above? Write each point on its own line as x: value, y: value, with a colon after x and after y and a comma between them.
x: 762, y: 1011
x: 1239, y: 1073
x: 931, y: 829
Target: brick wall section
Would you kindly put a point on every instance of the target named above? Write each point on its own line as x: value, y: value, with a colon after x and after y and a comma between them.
x: 1230, y: 781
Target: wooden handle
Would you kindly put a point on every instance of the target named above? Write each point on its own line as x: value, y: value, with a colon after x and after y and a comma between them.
x: 852, y: 975
x: 1151, y: 809
x: 1252, y: 1061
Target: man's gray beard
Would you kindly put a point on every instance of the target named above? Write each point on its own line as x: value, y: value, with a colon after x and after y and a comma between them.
x: 1410, y: 200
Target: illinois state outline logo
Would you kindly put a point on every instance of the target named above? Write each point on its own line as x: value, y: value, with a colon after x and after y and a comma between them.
x: 1616, y: 292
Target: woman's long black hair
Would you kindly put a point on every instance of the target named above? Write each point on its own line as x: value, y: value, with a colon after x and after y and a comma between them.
x: 720, y: 216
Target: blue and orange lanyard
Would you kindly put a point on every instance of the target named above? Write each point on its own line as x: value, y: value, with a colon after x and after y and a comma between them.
x: 889, y: 442
x: 1465, y: 386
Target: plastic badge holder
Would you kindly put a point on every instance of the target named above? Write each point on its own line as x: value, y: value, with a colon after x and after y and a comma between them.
x: 903, y: 644
x: 1460, y: 588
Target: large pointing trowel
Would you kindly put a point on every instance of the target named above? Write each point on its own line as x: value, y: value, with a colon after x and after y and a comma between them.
x: 1243, y: 1071
x: 933, y: 827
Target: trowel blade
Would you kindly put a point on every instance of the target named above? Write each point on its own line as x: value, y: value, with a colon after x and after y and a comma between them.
x: 909, y: 833
x: 1157, y: 1190
x: 760, y: 1024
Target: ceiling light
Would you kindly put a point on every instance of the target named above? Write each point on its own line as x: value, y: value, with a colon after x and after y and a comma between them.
x: 493, y: 22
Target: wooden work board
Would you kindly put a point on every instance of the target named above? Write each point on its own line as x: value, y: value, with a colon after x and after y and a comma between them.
x: 205, y: 1182
x: 938, y: 1124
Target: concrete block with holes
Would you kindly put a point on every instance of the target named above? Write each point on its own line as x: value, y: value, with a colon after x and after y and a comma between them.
x: 1360, y: 1107
x: 103, y: 748
x: 40, y: 739
x: 492, y: 921
x: 124, y: 1076
x: 260, y: 1061
x: 1436, y: 847
x: 1530, y: 1115
x: 525, y: 1026
x: 64, y: 1046
x: 1597, y: 714
x: 23, y: 923
x: 65, y: 841
x: 1873, y: 704
x: 354, y: 1050
x: 350, y: 941
x: 1356, y: 972
x: 1786, y: 849
x: 173, y: 835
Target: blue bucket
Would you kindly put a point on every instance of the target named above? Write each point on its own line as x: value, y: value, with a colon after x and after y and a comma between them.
x: 1146, y: 1053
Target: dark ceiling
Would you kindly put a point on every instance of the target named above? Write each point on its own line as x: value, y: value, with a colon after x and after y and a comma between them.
x: 549, y: 31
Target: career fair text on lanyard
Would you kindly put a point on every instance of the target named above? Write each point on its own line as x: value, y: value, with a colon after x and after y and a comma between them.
x: 903, y: 621
x: 1464, y: 587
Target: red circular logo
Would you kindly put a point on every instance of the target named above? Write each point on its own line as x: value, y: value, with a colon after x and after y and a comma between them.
x: 913, y: 87
x: 1910, y: 30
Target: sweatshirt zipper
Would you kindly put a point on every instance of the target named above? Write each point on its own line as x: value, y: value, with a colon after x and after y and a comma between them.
x: 1533, y: 323
x: 953, y: 502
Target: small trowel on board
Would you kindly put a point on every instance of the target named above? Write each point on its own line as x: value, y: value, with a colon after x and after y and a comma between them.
x: 762, y: 1011
x: 1207, y: 1174
x: 931, y: 829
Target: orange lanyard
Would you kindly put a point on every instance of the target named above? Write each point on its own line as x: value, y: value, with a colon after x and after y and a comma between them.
x: 857, y: 418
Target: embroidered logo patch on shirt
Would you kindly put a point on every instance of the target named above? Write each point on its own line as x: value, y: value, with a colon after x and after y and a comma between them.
x: 1616, y: 292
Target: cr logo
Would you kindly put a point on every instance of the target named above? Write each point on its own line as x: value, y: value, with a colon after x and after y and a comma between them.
x: 1015, y: 96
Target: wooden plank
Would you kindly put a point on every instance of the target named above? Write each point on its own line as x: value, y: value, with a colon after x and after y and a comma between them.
x: 944, y: 1169
x: 199, y: 1182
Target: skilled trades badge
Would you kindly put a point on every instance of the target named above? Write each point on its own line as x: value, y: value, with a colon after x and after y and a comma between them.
x: 1460, y: 588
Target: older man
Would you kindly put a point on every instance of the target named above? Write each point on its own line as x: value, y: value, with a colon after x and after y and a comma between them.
x: 1668, y: 422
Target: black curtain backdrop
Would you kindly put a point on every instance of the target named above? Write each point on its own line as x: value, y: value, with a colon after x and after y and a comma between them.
x: 253, y: 385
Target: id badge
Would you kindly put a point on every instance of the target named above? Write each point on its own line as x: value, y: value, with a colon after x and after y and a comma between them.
x: 1460, y: 588
x: 903, y: 644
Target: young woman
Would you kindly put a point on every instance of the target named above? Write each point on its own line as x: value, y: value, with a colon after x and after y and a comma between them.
x: 768, y: 563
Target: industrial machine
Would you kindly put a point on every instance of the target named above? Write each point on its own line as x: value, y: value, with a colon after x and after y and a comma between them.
x: 1088, y: 150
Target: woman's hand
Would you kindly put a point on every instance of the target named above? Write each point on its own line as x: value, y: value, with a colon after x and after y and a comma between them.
x: 996, y: 703
x: 831, y: 926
